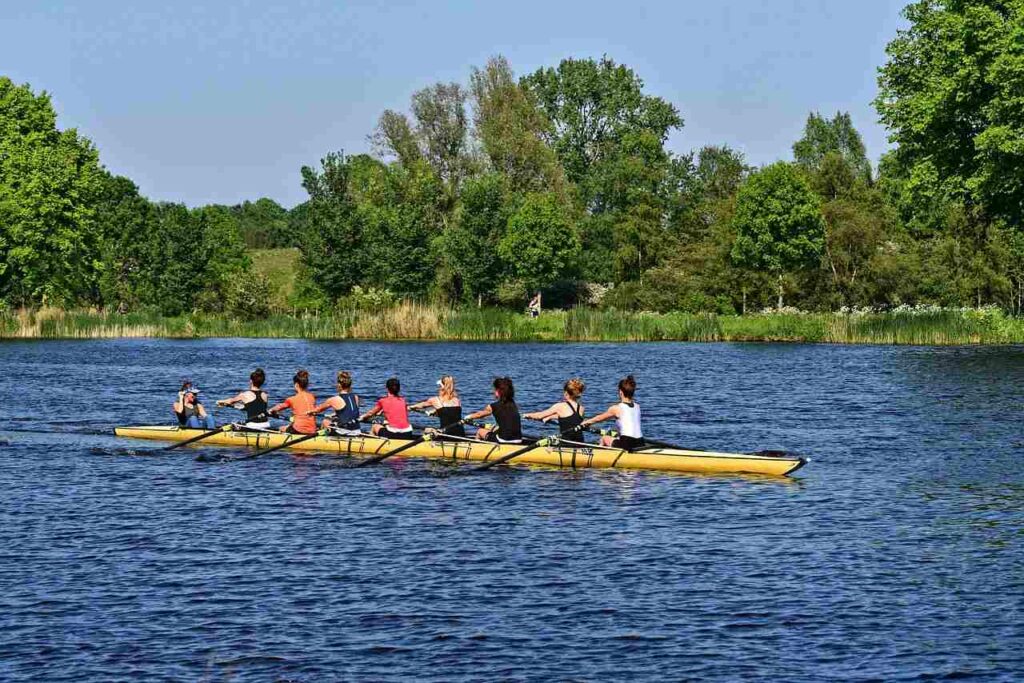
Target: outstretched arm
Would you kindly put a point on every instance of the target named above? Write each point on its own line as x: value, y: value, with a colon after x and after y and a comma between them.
x: 480, y: 413
x: 545, y: 415
x: 237, y: 398
x: 613, y: 411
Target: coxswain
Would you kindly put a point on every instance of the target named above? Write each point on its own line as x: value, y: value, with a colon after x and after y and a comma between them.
x: 253, y: 401
x: 301, y: 404
x: 506, y: 414
x: 395, y: 411
x: 447, y: 406
x: 190, y: 412
x: 627, y: 414
x: 345, y: 405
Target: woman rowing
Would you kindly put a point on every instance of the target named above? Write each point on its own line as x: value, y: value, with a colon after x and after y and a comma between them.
x: 627, y: 414
x: 301, y: 404
x: 253, y: 401
x: 395, y: 411
x: 190, y: 412
x: 506, y: 415
x: 447, y: 406
x: 569, y: 411
x: 345, y: 405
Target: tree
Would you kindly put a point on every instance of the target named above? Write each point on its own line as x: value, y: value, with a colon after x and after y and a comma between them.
x: 395, y: 137
x: 50, y: 181
x: 540, y: 245
x: 593, y: 108
x: 828, y: 141
x: 468, y: 251
x: 332, y: 239
x: 778, y: 223
x: 442, y: 127
x: 950, y: 96
x: 512, y: 129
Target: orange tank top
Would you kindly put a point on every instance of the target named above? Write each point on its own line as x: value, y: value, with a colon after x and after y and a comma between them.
x: 300, y: 404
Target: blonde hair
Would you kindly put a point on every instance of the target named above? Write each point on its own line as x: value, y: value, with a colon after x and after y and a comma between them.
x: 345, y: 379
x: 574, y: 388
x: 446, y: 390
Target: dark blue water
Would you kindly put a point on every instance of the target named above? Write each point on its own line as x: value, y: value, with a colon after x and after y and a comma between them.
x: 896, y: 554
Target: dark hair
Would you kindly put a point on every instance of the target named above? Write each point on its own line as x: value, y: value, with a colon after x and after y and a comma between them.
x: 302, y: 379
x: 627, y: 385
x: 345, y: 379
x: 394, y: 386
x: 258, y: 377
x: 506, y: 392
x: 186, y: 384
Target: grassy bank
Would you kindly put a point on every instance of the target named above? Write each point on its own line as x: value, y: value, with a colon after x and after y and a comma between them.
x: 416, y: 321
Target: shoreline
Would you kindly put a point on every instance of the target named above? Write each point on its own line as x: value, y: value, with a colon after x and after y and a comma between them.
x: 423, y: 322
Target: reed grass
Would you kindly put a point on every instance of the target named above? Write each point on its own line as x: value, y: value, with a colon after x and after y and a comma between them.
x: 416, y: 321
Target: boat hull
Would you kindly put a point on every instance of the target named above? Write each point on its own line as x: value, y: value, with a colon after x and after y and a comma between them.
x: 563, y: 455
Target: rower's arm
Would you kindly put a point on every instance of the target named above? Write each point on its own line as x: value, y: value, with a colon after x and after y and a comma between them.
x: 428, y: 403
x: 375, y: 410
x: 237, y: 398
x: 279, y: 407
x: 543, y: 414
x: 613, y: 411
x: 478, y: 414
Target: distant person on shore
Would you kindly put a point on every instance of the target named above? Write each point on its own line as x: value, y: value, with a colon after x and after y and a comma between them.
x: 345, y: 405
x: 395, y: 412
x: 447, y: 406
x: 253, y: 401
x: 301, y: 404
x: 533, y: 308
x: 190, y: 412
x: 506, y: 414
x: 569, y: 411
x: 627, y: 414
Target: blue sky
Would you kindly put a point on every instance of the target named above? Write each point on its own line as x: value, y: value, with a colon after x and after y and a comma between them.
x: 221, y: 102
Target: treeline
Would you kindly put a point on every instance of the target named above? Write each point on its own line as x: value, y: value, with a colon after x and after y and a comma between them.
x: 560, y: 181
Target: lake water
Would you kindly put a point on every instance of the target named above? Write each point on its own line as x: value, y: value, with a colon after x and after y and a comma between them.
x: 896, y: 554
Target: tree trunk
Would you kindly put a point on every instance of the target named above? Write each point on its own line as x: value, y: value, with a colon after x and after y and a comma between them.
x: 744, y: 309
x: 780, y: 291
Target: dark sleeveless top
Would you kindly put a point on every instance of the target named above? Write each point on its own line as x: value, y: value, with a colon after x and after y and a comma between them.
x: 449, y: 415
x: 569, y: 424
x: 256, y: 409
x: 347, y: 417
x: 510, y: 427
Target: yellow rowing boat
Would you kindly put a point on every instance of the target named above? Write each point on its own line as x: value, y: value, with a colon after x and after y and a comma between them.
x: 556, y: 455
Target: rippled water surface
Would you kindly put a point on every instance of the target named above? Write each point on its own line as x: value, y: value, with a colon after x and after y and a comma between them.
x: 895, y: 554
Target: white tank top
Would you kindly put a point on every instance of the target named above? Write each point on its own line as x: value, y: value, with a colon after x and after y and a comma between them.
x: 629, y: 420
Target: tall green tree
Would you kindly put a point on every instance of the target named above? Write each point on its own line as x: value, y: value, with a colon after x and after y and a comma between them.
x: 832, y: 142
x: 950, y: 94
x: 50, y: 181
x: 512, y: 130
x: 778, y: 223
x: 540, y: 245
x: 595, y: 108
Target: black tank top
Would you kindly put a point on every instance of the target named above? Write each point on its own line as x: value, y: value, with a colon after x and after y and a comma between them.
x: 256, y: 409
x: 569, y: 424
x: 449, y: 415
x: 510, y: 427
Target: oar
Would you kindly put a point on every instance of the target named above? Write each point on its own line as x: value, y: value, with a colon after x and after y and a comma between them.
x: 547, y: 441
x: 426, y: 437
x: 286, y: 444
x: 648, y: 443
x: 194, y: 439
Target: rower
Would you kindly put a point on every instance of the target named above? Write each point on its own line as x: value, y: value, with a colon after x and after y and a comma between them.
x: 345, y: 405
x: 627, y: 413
x: 569, y: 410
x: 190, y: 412
x: 253, y: 400
x: 505, y: 412
x: 447, y: 406
x: 300, y: 404
x: 396, y: 414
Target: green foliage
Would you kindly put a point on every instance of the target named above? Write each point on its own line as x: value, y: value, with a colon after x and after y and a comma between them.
x: 778, y: 222
x: 540, y: 245
x: 249, y: 297
x: 950, y: 94
x: 833, y: 143
x: 50, y: 181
